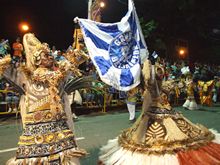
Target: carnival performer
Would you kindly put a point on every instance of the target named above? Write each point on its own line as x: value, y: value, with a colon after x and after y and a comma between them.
x: 190, y: 102
x: 161, y: 136
x: 205, y: 92
x: 181, y: 90
x: 48, y: 136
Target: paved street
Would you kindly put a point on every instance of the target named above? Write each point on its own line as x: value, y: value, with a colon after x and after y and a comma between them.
x: 95, y: 130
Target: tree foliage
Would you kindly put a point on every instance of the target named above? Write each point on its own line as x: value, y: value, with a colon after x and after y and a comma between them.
x: 148, y: 27
x: 196, y: 21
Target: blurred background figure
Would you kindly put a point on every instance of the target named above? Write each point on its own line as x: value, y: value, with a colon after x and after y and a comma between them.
x: 17, y: 51
x: 12, y: 98
x: 54, y: 52
x: 190, y: 102
x: 74, y: 99
x: 60, y: 56
x: 206, y: 89
x: 216, y: 88
x: 4, y: 47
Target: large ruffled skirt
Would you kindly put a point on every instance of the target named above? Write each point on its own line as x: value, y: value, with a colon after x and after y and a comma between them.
x: 163, y: 139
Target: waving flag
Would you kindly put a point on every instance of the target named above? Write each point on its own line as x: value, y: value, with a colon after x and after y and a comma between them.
x: 116, y: 49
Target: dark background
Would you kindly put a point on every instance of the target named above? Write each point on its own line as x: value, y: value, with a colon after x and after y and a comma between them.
x: 195, y: 21
x: 50, y: 20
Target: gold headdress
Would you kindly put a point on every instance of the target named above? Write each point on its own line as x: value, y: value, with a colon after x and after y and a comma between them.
x: 33, y: 48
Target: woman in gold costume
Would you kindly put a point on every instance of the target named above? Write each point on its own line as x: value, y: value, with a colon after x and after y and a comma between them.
x: 161, y: 136
x: 205, y: 92
x: 48, y: 136
x: 190, y: 102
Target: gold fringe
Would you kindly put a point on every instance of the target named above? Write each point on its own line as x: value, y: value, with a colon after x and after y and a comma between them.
x: 161, y: 147
x: 76, y: 153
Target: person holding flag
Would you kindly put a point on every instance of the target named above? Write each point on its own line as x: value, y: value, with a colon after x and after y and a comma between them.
x: 160, y: 135
x: 117, y: 50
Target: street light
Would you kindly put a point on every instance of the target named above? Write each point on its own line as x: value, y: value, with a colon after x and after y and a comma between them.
x: 181, y: 52
x: 102, y: 4
x: 182, y: 48
x: 24, y: 27
x: 91, y: 5
x: 97, y: 10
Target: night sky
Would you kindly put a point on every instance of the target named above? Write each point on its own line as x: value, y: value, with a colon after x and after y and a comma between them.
x: 50, y: 20
x: 197, y: 21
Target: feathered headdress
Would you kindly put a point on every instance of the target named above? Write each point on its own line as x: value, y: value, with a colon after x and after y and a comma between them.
x: 33, y: 48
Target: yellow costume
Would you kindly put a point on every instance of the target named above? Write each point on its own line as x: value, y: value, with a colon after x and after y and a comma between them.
x: 48, y: 136
x: 206, y: 92
x: 190, y: 102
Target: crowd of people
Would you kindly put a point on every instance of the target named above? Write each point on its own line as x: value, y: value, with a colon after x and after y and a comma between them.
x: 202, y: 79
x: 8, y: 93
x: 91, y: 97
x: 48, y: 79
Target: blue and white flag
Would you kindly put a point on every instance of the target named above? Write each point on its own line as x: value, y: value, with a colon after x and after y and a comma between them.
x: 116, y: 49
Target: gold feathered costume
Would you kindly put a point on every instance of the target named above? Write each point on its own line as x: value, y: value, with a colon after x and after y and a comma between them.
x: 48, y: 136
x: 190, y: 102
x: 161, y: 135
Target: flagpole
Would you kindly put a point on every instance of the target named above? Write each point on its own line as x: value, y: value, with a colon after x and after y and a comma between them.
x: 89, y: 8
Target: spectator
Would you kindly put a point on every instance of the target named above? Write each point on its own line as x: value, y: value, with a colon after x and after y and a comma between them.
x: 215, y: 89
x: 99, y: 92
x: 110, y: 95
x: 54, y: 52
x: 59, y: 56
x: 4, y: 47
x: 11, y: 98
x: 18, y: 49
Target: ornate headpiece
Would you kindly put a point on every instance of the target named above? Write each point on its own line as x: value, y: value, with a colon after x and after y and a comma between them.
x: 33, y: 48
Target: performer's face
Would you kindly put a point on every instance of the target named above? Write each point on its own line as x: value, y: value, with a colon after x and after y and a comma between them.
x: 47, y: 61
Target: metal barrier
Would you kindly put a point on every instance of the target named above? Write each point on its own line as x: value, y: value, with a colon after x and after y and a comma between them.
x: 4, y: 105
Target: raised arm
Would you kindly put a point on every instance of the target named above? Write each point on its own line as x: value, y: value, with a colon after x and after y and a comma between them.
x: 75, y: 58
